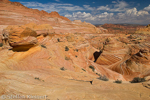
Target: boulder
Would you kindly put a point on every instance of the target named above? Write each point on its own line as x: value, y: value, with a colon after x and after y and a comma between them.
x: 21, y: 38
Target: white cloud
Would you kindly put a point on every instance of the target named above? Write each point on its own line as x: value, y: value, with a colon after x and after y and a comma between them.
x: 120, y: 4
x: 117, y: 6
x: 80, y: 16
x: 103, y: 8
x: 134, y: 13
x: 147, y: 8
x: 89, y: 17
x: 87, y: 7
x: 52, y: 6
x: 70, y: 8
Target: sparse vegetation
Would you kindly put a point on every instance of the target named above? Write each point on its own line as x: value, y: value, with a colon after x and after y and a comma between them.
x: 62, y: 68
x: 43, y: 46
x: 98, y: 74
x: 1, y: 44
x: 58, y: 40
x: 66, y: 58
x: 104, y: 78
x: 76, y: 56
x: 138, y: 80
x: 83, y: 69
x: 118, y: 81
x: 92, y: 67
x: 66, y: 48
x: 77, y: 50
x: 37, y: 78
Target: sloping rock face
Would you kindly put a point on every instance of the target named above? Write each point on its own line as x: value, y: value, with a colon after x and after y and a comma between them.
x: 70, y: 63
x: 64, y: 60
x: 61, y: 64
x: 20, y: 15
x: 145, y: 30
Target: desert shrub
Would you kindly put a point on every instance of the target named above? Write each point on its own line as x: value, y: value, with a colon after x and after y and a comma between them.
x: 76, y: 56
x: 43, y: 46
x: 83, y: 69
x: 118, y: 81
x: 104, y: 78
x: 92, y: 67
x: 138, y: 80
x: 1, y: 44
x: 58, y: 40
x: 98, y: 74
x: 66, y: 48
x: 66, y: 58
x: 77, y: 50
x: 37, y: 78
x: 62, y: 68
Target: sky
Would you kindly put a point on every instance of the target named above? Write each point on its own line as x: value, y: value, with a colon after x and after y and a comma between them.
x: 96, y: 11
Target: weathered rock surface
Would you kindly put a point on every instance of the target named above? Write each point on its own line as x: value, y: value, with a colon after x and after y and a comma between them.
x: 65, y: 74
x: 20, y: 37
x: 121, y: 28
x: 65, y: 58
x: 145, y: 30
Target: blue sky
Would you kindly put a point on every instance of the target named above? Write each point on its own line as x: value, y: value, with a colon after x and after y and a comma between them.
x: 96, y: 11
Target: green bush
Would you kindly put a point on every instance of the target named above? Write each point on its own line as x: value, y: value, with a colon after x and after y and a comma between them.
x: 1, y: 44
x: 118, y: 81
x: 66, y: 58
x: 83, y: 69
x: 138, y: 80
x: 43, y: 46
x: 66, y: 48
x: 92, y: 67
x: 77, y: 50
x: 58, y: 40
x: 98, y: 74
x: 62, y: 68
x: 37, y: 78
x: 104, y: 78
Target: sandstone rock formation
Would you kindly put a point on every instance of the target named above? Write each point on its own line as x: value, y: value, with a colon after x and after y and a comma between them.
x: 64, y: 59
x: 145, y: 30
x: 51, y: 67
x: 21, y: 38
x: 122, y: 28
